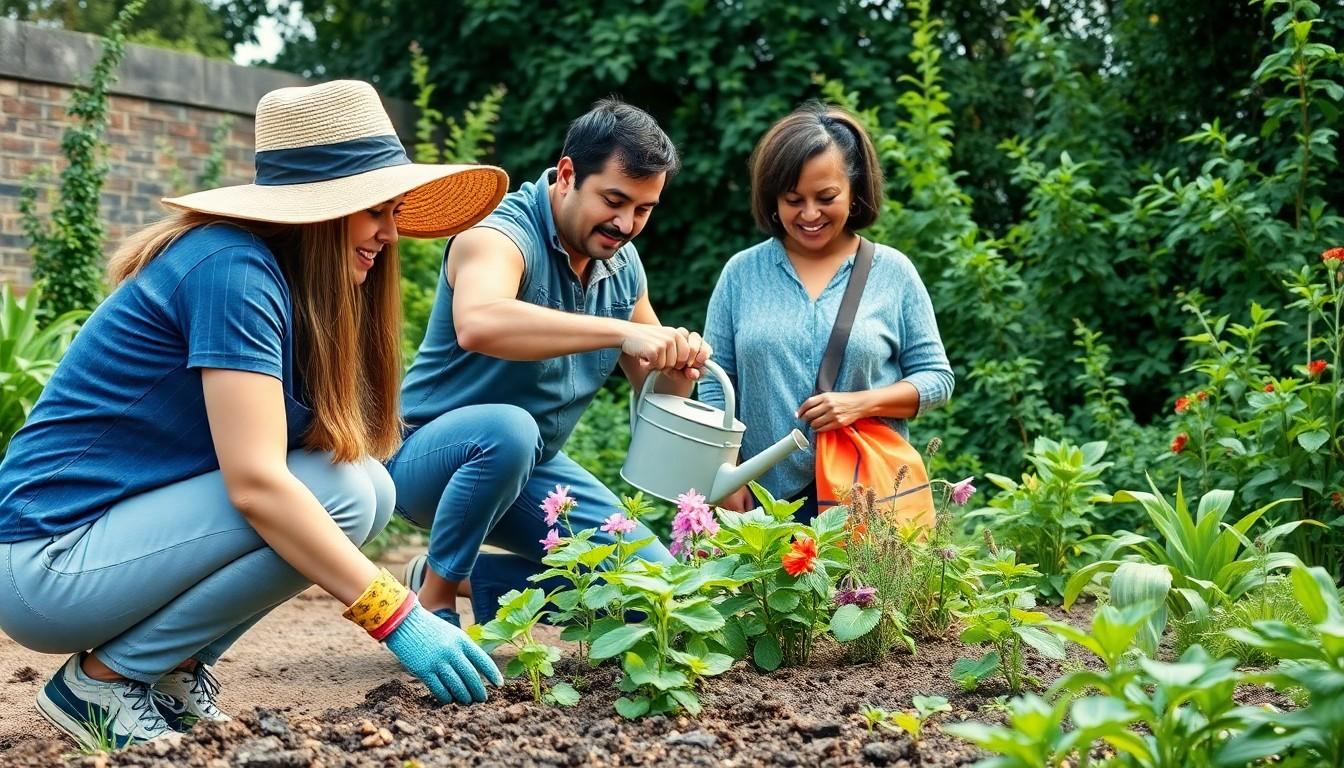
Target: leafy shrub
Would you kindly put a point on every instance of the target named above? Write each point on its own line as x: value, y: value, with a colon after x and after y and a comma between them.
x: 29, y: 353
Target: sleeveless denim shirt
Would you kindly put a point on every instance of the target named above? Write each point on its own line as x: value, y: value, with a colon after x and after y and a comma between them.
x: 555, y: 391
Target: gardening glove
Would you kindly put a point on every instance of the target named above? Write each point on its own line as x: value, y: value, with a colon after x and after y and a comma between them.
x: 443, y: 657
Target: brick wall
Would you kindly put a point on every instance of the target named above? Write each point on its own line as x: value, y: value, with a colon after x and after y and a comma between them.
x: 154, y: 150
x: 163, y: 114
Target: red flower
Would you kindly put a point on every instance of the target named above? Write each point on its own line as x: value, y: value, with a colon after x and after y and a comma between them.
x: 1269, y: 387
x: 1178, y: 442
x: 1316, y: 367
x: 1182, y: 404
x: 1337, y: 500
x: 1201, y: 395
x: 801, y: 557
x: 1333, y: 254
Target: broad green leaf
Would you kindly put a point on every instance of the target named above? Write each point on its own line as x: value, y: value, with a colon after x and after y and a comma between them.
x: 632, y: 709
x: 563, y: 694
x: 1313, y: 440
x: 617, y: 641
x: 850, y: 622
x: 767, y: 654
x: 698, y: 615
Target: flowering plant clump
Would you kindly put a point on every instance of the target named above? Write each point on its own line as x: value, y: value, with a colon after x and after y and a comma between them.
x: 1271, y: 430
x: 575, y: 560
x: 788, y: 570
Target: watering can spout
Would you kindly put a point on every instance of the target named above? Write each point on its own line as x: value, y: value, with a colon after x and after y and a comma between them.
x: 730, y: 478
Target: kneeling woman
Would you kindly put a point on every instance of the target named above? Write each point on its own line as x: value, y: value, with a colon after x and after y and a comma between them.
x: 210, y: 444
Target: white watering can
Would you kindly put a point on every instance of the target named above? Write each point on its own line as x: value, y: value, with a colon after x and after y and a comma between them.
x: 677, y: 443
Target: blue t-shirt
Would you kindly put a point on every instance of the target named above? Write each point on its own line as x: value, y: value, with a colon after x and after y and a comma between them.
x: 124, y: 412
x: 556, y: 390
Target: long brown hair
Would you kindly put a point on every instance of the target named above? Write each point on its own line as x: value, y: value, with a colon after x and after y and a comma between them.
x: 347, y: 337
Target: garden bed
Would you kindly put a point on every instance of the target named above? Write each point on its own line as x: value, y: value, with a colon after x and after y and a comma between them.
x: 800, y: 716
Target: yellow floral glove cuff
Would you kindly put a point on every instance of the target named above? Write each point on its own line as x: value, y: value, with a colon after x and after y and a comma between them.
x: 384, y: 600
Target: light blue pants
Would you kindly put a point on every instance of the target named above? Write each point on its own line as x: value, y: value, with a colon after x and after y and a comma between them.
x: 474, y: 475
x: 174, y: 573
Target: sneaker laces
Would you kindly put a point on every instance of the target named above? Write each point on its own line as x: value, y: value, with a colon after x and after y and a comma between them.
x: 145, y: 702
x: 206, y: 687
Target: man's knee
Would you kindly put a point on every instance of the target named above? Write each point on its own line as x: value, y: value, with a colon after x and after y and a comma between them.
x: 515, y: 437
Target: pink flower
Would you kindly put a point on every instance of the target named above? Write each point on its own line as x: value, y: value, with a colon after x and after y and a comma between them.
x: 557, y: 503
x: 694, y: 519
x: 618, y: 523
x: 963, y: 491
x: 552, y: 540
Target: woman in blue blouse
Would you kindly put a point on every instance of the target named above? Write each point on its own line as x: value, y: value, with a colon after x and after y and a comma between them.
x: 816, y: 183
x: 210, y: 445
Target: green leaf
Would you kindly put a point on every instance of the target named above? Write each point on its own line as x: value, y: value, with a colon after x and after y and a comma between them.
x: 969, y: 672
x: 617, y: 641
x: 632, y: 709
x: 850, y: 622
x: 1047, y: 644
x: 783, y: 600
x: 563, y: 694
x: 698, y: 615
x: 767, y: 654
x: 1313, y: 440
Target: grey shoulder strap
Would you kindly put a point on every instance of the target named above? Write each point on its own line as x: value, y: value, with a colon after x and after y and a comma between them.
x: 844, y: 318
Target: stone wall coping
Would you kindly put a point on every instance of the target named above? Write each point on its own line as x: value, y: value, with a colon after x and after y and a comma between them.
x: 39, y: 54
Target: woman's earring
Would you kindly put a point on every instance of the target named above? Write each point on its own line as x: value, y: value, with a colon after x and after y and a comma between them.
x: 774, y: 216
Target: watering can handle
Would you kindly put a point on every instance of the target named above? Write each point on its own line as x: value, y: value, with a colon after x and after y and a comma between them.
x: 729, y: 397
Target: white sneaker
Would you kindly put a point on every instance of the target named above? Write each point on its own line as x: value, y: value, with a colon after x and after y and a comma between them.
x: 192, y: 694
x: 101, y: 715
x: 414, y: 577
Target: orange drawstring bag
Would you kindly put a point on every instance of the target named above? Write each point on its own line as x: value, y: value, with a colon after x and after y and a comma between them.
x: 868, y: 452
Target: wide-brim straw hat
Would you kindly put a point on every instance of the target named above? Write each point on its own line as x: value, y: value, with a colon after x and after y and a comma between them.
x: 327, y: 151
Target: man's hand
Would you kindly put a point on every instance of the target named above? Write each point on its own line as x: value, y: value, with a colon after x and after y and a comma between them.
x: 833, y: 410
x: 674, y: 352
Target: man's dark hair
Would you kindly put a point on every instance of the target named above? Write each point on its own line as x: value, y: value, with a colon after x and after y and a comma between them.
x: 614, y: 128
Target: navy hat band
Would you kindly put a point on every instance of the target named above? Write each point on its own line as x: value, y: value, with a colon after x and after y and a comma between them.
x: 324, y: 162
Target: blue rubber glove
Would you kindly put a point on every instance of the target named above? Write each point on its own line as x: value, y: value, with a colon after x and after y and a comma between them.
x: 443, y: 657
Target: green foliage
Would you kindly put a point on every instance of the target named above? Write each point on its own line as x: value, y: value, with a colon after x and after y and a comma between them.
x: 181, y: 25
x: 1313, y: 662
x: 1001, y: 616
x: 67, y: 251
x: 212, y: 167
x: 660, y: 677
x: 778, y: 613
x: 1204, y: 561
x: 29, y: 353
x: 439, y: 139
x: 518, y: 614
x: 1272, y: 601
x: 1273, y: 436
x: 1154, y: 714
x: 1047, y: 516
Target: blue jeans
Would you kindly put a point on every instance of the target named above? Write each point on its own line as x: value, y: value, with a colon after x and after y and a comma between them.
x: 174, y: 573
x: 475, y: 476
